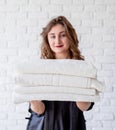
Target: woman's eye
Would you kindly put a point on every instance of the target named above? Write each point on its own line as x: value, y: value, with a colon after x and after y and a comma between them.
x: 63, y: 35
x: 52, y: 37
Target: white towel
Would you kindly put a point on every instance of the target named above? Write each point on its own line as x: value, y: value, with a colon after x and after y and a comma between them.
x: 58, y: 66
x: 57, y: 80
x: 21, y: 98
x: 54, y: 89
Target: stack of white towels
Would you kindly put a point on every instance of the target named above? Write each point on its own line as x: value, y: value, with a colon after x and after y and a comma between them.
x: 56, y: 80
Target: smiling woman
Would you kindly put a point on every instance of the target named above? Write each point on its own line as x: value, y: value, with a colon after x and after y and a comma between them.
x: 67, y: 31
x: 59, y: 42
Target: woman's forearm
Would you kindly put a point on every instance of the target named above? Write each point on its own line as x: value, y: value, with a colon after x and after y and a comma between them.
x: 37, y: 106
x: 83, y: 106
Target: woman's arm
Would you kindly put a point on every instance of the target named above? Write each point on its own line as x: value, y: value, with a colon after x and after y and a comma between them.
x: 37, y: 106
x: 83, y: 106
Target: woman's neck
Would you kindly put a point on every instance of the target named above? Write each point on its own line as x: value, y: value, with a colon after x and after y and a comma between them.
x: 63, y: 56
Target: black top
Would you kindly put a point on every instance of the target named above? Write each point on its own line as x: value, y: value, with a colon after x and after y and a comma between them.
x: 63, y: 115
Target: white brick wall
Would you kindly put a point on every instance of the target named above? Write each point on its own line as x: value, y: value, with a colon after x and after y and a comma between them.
x: 21, y: 22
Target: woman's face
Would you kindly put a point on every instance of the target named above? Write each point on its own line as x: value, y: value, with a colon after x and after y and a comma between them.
x: 58, y: 40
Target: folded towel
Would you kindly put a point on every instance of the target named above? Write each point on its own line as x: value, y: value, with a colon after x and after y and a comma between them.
x: 21, y: 98
x: 58, y: 66
x: 54, y: 89
x: 57, y: 80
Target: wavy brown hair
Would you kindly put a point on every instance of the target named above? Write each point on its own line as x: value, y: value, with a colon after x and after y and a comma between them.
x: 47, y: 53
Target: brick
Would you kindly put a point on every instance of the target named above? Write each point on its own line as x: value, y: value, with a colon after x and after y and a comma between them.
x: 18, y: 2
x: 92, y: 23
x: 39, y: 2
x: 105, y: 59
x: 95, y: 8
x: 61, y: 2
x: 28, y: 52
x: 2, y: 2
x: 92, y: 51
x: 108, y: 67
x: 73, y: 8
x: 91, y: 2
x: 104, y: 44
x: 16, y: 115
x: 4, y: 52
x: 3, y: 59
x: 85, y: 15
x: 3, y: 116
x: 104, y: 116
x: 54, y: 8
x: 105, y: 73
x: 109, y: 52
x: 17, y: 127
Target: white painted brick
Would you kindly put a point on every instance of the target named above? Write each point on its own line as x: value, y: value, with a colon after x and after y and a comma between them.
x: 17, y: 127
x: 61, y: 2
x: 3, y: 127
x: 55, y: 14
x: 3, y: 116
x: 38, y: 2
x: 92, y: 51
x: 31, y: 8
x: 110, y: 52
x: 16, y: 115
x: 3, y: 59
x: 14, y: 59
x: 8, y: 51
x: 111, y: 9
x: 83, y: 2
x: 109, y: 24
x: 73, y: 8
x: 85, y: 15
x: 102, y: 128
x: 6, y: 107
x: 2, y: 102
x: 92, y: 23
x: 104, y: 116
x: 2, y: 2
x: 17, y: 45
x: 95, y: 8
x: 15, y: 16
x: 108, y: 38
x: 83, y: 30
x: 104, y: 45
x: 103, y: 15
x: 105, y: 59
x: 27, y: 52
x: 26, y: 23
x: 102, y: 31
x: 34, y: 15
x: 53, y: 8
x: 105, y: 73
x: 18, y: 2
x: 108, y: 67
x: 94, y: 124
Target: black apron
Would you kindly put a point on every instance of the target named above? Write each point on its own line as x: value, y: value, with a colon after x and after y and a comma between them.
x: 59, y: 115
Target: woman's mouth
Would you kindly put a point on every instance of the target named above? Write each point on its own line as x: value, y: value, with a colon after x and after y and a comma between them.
x: 59, y: 46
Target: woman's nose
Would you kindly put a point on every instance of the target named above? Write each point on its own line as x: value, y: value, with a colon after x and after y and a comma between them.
x: 57, y: 40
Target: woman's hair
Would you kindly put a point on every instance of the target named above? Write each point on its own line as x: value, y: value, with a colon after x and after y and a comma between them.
x: 47, y: 53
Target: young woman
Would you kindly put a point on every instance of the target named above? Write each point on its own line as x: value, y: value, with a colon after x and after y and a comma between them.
x: 59, y: 42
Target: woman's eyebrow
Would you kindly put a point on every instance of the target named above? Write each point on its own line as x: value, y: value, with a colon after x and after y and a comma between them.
x: 54, y: 33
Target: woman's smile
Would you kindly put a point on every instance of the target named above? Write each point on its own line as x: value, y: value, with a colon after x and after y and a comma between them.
x: 59, y: 46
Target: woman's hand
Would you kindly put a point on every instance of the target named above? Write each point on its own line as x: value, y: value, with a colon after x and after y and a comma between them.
x: 83, y: 106
x: 37, y: 106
